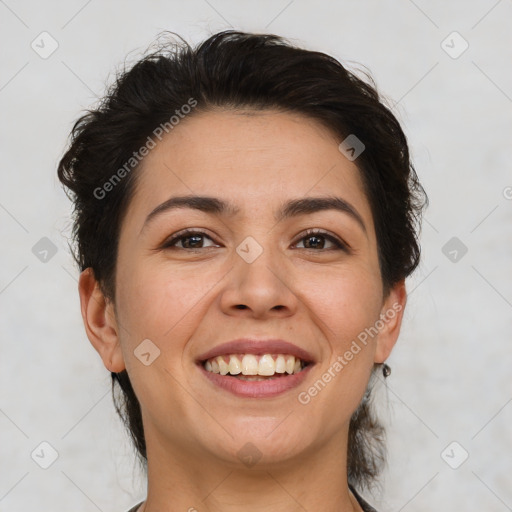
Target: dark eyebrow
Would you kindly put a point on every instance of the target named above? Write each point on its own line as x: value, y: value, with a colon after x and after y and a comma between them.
x: 292, y: 208
x: 308, y: 205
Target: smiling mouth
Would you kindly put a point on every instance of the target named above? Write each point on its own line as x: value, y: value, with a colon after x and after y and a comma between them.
x: 252, y: 367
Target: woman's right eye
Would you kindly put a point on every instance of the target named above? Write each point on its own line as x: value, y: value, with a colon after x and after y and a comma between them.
x: 189, y: 239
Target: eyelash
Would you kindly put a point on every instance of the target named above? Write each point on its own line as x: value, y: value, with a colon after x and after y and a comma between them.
x: 169, y: 244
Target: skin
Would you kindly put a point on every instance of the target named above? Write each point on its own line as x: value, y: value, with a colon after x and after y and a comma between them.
x: 186, y: 301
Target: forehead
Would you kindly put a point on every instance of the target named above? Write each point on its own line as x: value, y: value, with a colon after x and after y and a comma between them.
x: 252, y: 158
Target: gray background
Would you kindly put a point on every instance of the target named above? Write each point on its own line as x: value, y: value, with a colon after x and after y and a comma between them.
x: 450, y: 377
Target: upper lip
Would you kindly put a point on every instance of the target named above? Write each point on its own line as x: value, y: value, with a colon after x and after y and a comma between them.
x: 257, y: 347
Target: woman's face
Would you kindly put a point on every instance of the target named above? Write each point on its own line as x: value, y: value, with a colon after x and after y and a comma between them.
x: 249, y: 273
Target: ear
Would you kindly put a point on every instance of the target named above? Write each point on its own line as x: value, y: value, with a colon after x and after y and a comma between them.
x: 391, y: 314
x: 99, y: 321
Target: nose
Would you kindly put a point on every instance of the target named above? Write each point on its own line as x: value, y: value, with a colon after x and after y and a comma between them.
x: 259, y: 289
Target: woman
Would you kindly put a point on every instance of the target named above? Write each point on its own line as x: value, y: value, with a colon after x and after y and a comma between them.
x: 246, y: 214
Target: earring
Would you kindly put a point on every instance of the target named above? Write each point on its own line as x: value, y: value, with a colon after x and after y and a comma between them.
x: 386, y: 370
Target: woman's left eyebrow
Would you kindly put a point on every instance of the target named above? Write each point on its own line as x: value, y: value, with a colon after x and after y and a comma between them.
x: 292, y: 208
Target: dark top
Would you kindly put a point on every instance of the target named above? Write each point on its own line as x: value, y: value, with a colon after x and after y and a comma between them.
x: 364, y: 505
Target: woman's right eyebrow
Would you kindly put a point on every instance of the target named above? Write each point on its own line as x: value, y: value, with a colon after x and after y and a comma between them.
x: 291, y: 208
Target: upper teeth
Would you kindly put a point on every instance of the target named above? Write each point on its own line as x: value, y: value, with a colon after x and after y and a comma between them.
x: 249, y: 364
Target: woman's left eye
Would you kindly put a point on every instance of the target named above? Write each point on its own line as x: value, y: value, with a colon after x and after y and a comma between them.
x: 317, y: 236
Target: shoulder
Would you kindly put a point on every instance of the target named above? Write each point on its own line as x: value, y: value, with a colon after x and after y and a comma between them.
x: 364, y: 504
x: 136, y: 507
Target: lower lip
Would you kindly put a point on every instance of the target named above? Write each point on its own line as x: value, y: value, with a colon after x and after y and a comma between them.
x: 256, y: 388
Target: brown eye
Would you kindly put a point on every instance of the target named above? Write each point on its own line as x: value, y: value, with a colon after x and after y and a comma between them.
x: 189, y: 239
x: 316, y: 240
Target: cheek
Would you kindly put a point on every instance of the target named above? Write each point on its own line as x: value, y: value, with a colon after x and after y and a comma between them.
x: 346, y: 300
x: 347, y: 304
x: 161, y: 304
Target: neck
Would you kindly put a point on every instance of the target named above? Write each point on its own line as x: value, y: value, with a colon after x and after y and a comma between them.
x: 181, y: 480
